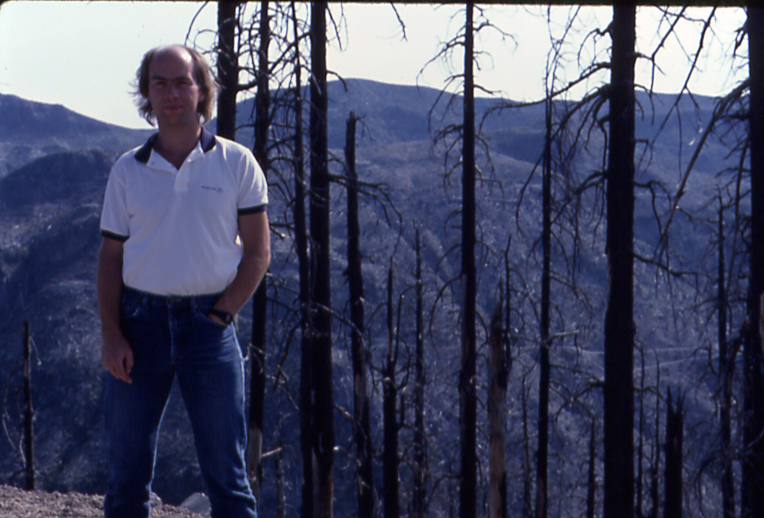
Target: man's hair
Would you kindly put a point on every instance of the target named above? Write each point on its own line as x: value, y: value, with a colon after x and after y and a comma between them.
x: 203, y: 76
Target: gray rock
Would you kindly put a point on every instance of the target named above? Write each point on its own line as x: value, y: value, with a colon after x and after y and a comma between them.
x: 197, y: 503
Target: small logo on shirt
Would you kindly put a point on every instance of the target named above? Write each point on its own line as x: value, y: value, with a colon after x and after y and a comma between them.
x: 210, y: 188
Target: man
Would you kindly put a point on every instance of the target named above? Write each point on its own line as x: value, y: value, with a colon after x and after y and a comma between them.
x: 185, y: 244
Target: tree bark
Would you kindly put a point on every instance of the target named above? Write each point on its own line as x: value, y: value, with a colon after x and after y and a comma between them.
x: 228, y: 69
x: 390, y: 460
x: 619, y: 319
x: 467, y: 388
x: 301, y: 249
x: 418, y: 496
x: 725, y: 378
x: 260, y: 297
x: 323, y: 391
x: 497, y: 390
x: 752, y: 489
x: 641, y: 438
x: 361, y: 416
x: 673, y: 478
x: 29, y: 484
x: 280, y: 494
x: 542, y: 452
x: 591, y: 482
x: 527, y: 482
x: 654, y: 493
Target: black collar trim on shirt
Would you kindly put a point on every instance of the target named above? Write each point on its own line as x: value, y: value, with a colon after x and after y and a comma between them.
x: 143, y: 154
x: 207, y: 140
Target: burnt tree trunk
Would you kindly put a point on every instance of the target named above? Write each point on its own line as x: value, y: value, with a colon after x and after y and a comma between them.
x: 228, y: 69
x: 467, y: 384
x: 673, y: 477
x: 390, y: 458
x: 527, y: 506
x: 508, y: 308
x: 752, y: 490
x: 725, y: 373
x: 619, y: 318
x: 591, y: 480
x: 260, y: 297
x: 497, y: 390
x: 527, y: 482
x: 29, y: 484
x: 654, y: 490
x: 542, y: 453
x: 321, y: 300
x: 641, y: 441
x: 301, y: 249
x: 361, y: 416
x: 280, y: 494
x: 418, y: 496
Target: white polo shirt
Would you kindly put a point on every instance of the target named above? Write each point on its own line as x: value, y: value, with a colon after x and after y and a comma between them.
x: 179, y: 227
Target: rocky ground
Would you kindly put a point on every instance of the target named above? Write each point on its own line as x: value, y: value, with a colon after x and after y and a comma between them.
x: 17, y: 503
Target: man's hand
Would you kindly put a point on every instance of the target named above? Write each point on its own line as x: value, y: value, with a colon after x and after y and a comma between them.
x: 216, y: 319
x: 117, y: 356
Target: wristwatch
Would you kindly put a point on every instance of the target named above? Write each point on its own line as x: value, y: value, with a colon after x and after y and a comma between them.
x: 225, y: 316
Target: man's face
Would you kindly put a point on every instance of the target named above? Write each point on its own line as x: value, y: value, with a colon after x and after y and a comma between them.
x: 173, y: 91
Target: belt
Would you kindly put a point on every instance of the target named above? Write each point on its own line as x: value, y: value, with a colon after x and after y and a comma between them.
x: 178, y: 301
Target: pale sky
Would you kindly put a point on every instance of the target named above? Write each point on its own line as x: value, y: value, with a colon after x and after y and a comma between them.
x: 83, y: 55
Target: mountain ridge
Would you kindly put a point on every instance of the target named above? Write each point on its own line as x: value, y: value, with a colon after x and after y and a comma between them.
x: 31, y: 130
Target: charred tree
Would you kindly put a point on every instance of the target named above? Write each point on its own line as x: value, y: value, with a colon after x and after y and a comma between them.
x: 725, y: 381
x: 467, y: 384
x: 527, y: 482
x: 260, y: 297
x: 508, y: 308
x: 591, y: 480
x: 542, y: 452
x: 321, y: 299
x: 527, y: 508
x: 654, y: 490
x: 752, y: 489
x: 418, y: 496
x: 29, y: 484
x: 361, y: 416
x: 497, y: 389
x: 262, y: 97
x: 390, y: 458
x: 673, y: 477
x: 641, y: 441
x: 280, y: 494
x: 301, y: 248
x: 228, y: 69
x: 619, y: 318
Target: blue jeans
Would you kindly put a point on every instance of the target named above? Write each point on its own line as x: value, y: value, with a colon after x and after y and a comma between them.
x: 172, y: 337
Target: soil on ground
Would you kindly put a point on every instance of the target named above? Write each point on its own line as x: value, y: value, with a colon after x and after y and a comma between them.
x: 17, y: 503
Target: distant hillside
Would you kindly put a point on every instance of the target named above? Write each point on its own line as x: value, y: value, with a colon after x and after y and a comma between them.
x: 30, y: 130
x: 392, y: 113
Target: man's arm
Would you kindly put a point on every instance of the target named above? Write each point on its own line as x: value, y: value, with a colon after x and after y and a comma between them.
x: 116, y: 354
x: 256, y: 242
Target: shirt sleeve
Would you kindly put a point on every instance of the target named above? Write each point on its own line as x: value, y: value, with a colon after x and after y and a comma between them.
x: 114, y: 217
x: 253, y: 187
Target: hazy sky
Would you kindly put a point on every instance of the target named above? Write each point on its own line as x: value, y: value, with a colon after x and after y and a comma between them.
x: 84, y: 54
